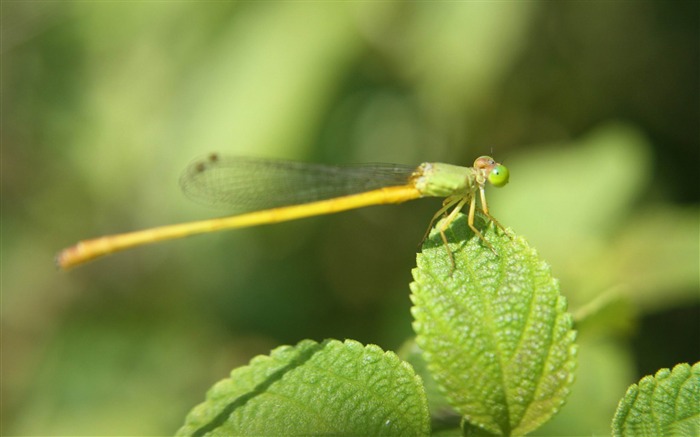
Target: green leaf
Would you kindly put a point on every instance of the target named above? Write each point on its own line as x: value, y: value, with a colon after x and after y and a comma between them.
x: 666, y: 404
x: 315, y: 388
x: 442, y: 415
x: 494, y: 330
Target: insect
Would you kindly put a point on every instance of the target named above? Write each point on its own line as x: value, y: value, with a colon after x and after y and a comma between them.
x: 271, y: 191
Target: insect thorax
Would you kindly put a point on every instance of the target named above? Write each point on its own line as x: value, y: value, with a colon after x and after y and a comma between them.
x: 443, y: 180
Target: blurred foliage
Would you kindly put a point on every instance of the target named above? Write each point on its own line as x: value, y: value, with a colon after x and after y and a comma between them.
x: 592, y: 105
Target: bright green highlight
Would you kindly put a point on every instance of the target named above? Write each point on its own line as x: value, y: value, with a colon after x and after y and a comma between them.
x: 499, y: 176
x: 494, y: 329
x: 666, y: 404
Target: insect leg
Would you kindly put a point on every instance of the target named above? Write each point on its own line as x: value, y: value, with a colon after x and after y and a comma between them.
x: 470, y: 221
x: 485, y: 211
x: 447, y: 204
x: 448, y: 220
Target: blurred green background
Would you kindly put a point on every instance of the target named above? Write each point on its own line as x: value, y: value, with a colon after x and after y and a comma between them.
x: 594, y: 107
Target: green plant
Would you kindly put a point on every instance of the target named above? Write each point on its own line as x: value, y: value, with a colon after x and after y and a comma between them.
x: 665, y: 404
x: 493, y: 330
x: 494, y: 349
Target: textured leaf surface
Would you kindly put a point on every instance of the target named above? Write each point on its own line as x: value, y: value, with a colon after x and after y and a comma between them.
x: 495, y: 331
x: 442, y: 415
x: 666, y: 404
x: 329, y: 388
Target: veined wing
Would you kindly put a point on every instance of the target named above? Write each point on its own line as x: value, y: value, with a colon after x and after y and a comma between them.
x: 244, y: 184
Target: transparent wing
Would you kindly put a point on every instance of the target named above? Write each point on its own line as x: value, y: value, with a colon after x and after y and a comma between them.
x: 247, y: 184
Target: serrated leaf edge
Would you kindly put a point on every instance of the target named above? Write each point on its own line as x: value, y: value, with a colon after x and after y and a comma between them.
x: 627, y: 402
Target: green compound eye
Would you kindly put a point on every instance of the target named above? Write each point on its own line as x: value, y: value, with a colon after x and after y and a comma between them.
x: 499, y: 175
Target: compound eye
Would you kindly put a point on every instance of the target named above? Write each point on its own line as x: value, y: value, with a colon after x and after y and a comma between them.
x: 499, y: 175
